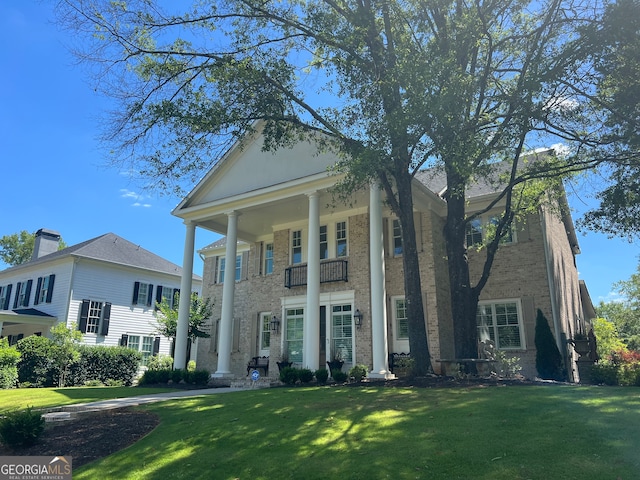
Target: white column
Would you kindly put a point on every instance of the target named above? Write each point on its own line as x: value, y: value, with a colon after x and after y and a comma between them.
x: 310, y: 346
x: 182, y: 328
x: 225, y: 338
x: 378, y: 292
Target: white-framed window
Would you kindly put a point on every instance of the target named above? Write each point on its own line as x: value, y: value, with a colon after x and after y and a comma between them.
x: 296, y: 247
x: 94, y: 316
x: 222, y: 264
x: 142, y: 344
x: 501, y: 322
x: 342, y: 332
x: 264, y: 339
x: 44, y: 289
x: 397, y: 237
x: 268, y: 259
x: 508, y: 237
x: 294, y: 334
x: 474, y: 232
x: 341, y: 239
x: 400, y: 324
x: 324, y: 242
x: 142, y: 294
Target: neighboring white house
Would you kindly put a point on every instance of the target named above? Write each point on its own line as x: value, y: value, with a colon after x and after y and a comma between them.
x: 107, y: 286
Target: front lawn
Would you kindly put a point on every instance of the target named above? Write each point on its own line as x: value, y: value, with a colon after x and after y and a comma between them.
x: 510, y: 433
x: 39, y: 398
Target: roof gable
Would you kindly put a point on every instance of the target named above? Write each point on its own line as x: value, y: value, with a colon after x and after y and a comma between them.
x: 247, y: 168
x: 111, y: 248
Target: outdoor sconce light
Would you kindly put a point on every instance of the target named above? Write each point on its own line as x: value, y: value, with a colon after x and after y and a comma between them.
x: 357, y: 318
x: 275, y: 324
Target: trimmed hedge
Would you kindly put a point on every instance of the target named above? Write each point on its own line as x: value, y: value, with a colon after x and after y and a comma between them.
x: 9, y: 358
x: 35, y: 366
x: 195, y: 377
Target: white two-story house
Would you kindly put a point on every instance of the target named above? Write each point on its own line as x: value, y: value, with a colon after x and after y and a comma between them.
x: 107, y: 286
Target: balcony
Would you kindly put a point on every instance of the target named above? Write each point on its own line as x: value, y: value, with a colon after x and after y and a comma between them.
x: 330, y: 271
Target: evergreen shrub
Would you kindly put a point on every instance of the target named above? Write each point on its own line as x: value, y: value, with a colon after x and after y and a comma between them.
x: 548, y: 358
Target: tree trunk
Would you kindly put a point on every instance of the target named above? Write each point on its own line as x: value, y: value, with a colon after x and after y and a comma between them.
x: 464, y: 299
x: 418, y: 342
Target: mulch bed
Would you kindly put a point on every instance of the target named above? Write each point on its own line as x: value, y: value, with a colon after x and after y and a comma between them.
x: 90, y: 436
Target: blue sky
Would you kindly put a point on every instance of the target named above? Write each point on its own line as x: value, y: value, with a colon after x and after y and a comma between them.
x: 54, y: 174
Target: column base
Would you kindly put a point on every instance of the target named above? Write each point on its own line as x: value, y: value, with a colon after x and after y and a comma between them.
x: 222, y: 375
x: 382, y: 375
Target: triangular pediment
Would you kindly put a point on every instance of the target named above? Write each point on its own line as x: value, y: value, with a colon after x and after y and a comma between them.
x: 247, y: 168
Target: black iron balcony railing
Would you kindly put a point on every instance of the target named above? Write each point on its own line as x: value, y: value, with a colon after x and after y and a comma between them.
x: 330, y: 271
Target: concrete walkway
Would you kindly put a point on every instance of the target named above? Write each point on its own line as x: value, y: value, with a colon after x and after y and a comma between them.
x: 66, y: 412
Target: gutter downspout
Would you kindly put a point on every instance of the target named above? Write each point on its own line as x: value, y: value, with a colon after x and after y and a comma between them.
x: 550, y: 280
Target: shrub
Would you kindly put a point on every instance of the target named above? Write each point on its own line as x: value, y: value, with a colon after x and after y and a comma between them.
x: 305, y: 375
x: 548, y: 357
x: 358, y: 372
x: 191, y: 366
x: 119, y: 364
x: 198, y: 377
x: 178, y: 375
x: 339, y: 376
x: 289, y: 375
x: 322, y: 375
x: 604, y: 372
x: 21, y: 428
x: 160, y: 362
x: 35, y: 366
x: 9, y: 358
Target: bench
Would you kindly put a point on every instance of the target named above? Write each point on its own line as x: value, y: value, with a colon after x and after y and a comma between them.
x: 451, y: 367
x: 398, y: 360
x: 258, y: 362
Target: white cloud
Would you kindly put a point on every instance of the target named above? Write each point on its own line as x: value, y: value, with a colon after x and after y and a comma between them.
x: 128, y: 194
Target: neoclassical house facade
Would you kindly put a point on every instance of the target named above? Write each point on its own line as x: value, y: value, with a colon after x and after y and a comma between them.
x: 300, y: 276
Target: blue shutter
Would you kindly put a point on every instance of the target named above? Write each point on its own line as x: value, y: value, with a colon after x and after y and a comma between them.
x: 52, y: 280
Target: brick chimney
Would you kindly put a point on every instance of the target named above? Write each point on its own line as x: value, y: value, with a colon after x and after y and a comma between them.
x: 46, y: 242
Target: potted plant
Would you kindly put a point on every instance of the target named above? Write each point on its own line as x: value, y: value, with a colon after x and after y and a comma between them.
x: 284, y: 362
x: 336, y: 362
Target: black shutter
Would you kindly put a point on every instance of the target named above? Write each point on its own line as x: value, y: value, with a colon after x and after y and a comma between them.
x: 27, y: 294
x: 136, y: 289
x: 38, y: 289
x: 106, y: 318
x: 124, y: 340
x: 52, y: 281
x: 15, y: 300
x: 6, y: 300
x: 84, y: 315
x: 156, y: 345
x: 150, y: 295
x: 158, y: 295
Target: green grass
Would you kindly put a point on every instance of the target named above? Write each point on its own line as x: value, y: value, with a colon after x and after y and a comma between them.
x: 510, y: 433
x: 523, y: 432
x: 40, y: 398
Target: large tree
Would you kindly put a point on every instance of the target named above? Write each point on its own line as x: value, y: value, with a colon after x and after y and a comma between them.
x: 17, y: 248
x: 616, y: 48
x: 393, y: 86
